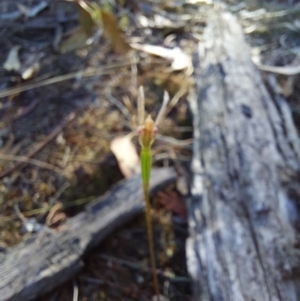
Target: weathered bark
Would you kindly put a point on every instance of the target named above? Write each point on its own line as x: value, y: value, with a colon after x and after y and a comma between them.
x: 244, y: 206
x: 50, y: 258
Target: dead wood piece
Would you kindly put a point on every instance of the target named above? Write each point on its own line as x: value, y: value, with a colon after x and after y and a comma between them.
x: 244, y: 208
x: 48, y: 259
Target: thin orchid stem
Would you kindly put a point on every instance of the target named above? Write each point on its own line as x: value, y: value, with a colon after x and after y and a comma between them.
x: 147, y: 134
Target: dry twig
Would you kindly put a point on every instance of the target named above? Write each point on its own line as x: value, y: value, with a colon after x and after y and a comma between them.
x: 40, y: 146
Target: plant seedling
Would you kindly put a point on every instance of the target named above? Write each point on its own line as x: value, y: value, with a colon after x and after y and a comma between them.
x: 146, y: 131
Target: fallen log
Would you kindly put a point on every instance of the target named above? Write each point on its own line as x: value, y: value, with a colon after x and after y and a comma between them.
x: 49, y: 258
x: 245, y: 194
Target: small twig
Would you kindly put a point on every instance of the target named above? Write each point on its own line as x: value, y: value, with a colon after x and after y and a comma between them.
x: 40, y: 146
x: 284, y: 70
x: 128, y: 104
x: 66, y: 156
x: 59, y: 192
x: 167, y: 156
x: 46, y: 209
x: 84, y: 73
x: 141, y: 267
x: 18, y: 213
x: 176, y: 142
x: 163, y: 108
x: 173, y: 102
x: 75, y: 290
x: 106, y: 282
x: 93, y: 280
x: 117, y: 103
x: 263, y: 14
x: 26, y: 110
x: 24, y: 159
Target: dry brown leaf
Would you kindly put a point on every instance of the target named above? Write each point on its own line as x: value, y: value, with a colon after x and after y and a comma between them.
x: 12, y: 62
x: 76, y: 40
x: 55, y: 217
x: 126, y: 154
x: 89, y: 20
x: 89, y: 16
x: 179, y: 59
x: 173, y: 202
x: 31, y: 65
x: 114, y: 34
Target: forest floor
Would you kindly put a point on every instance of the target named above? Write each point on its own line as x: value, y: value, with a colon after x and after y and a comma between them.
x: 69, y: 87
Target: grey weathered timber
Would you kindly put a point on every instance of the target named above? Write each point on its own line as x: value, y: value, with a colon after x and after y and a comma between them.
x: 245, y: 195
x: 50, y: 258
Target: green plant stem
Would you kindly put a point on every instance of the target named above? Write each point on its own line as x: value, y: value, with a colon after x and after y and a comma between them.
x: 146, y: 163
x: 151, y: 240
x: 147, y: 133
